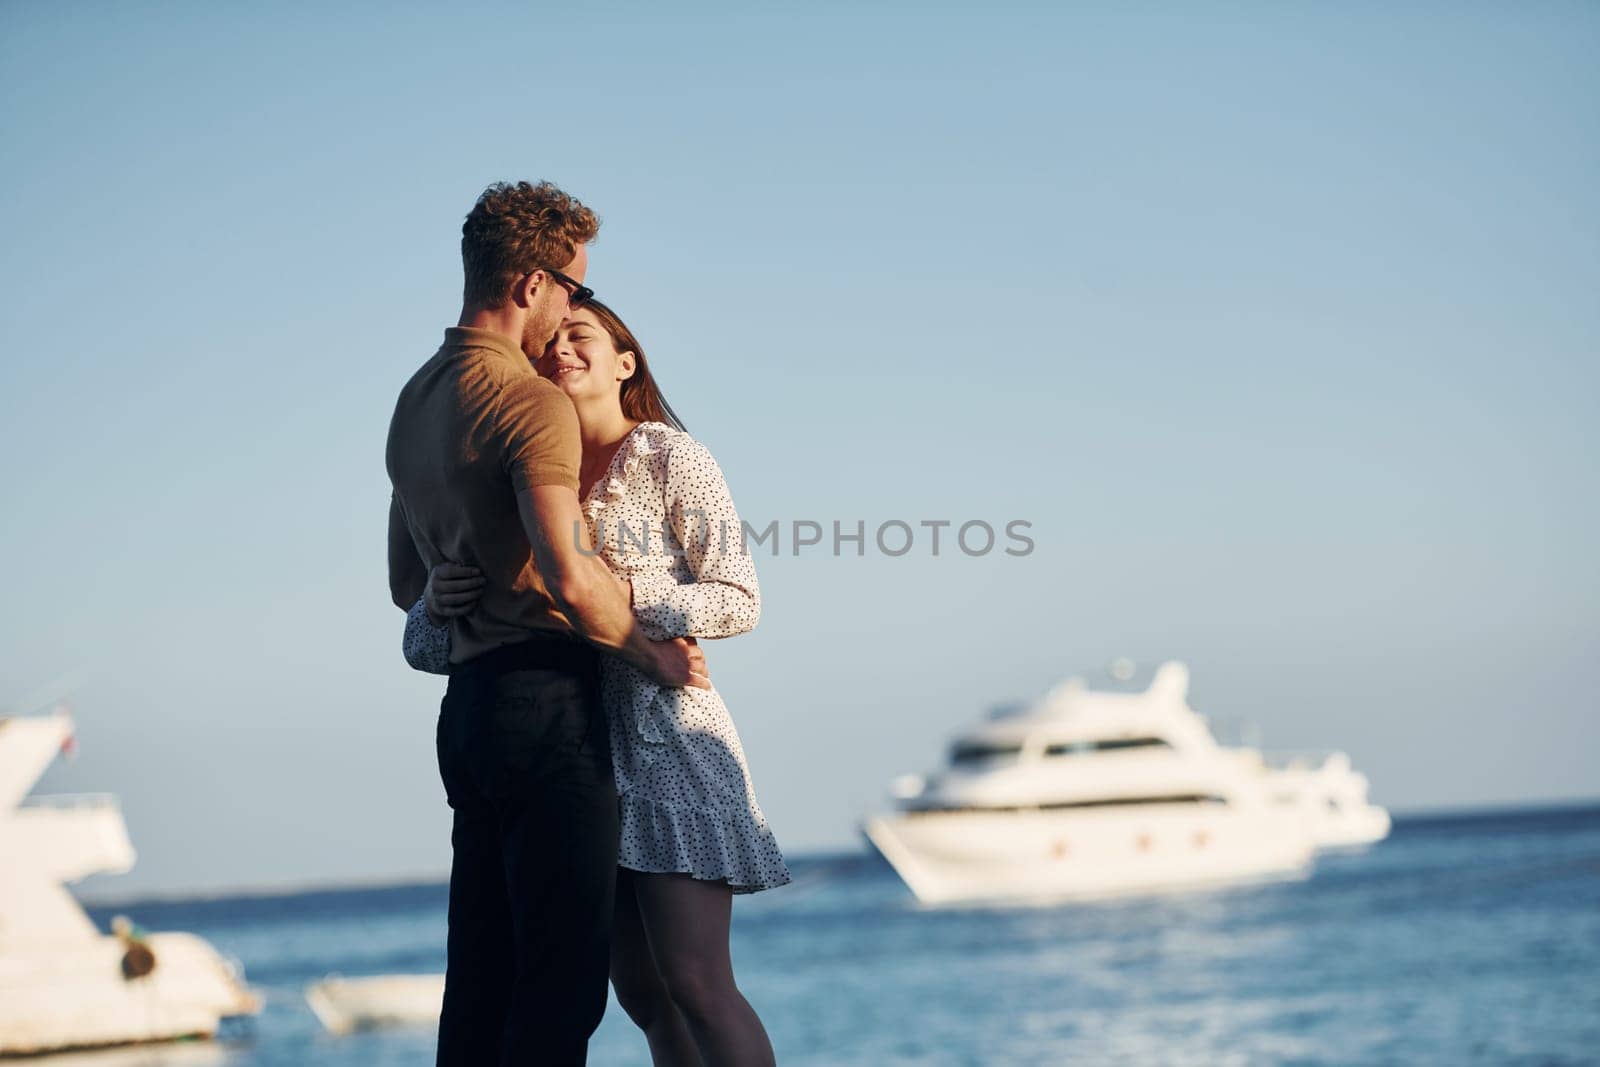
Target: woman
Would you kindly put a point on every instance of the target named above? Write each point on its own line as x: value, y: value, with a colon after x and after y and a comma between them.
x: 692, y: 833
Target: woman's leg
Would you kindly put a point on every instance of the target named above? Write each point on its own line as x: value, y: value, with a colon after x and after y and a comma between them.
x: 640, y: 990
x: 686, y: 922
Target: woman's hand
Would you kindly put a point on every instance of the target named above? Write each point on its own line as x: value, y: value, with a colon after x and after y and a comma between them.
x: 453, y: 589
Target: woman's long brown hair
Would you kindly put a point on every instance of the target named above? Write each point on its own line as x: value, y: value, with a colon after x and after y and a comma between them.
x: 641, y: 396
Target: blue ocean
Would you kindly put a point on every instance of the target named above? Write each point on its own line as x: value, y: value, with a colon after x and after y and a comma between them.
x: 1459, y: 940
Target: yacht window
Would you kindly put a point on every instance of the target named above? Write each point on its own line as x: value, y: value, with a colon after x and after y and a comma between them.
x: 1110, y: 802
x: 978, y: 752
x: 1007, y: 711
x: 1109, y: 744
x: 1119, y: 802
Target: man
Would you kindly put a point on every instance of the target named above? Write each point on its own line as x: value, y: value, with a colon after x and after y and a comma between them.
x: 483, y: 455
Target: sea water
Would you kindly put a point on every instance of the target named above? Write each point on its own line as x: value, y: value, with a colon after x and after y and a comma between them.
x: 1459, y: 940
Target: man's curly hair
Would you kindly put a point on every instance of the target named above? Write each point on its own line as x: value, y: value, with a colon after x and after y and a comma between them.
x: 517, y: 228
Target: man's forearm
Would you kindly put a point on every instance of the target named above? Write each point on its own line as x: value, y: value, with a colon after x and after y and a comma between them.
x: 591, y: 597
x: 596, y: 604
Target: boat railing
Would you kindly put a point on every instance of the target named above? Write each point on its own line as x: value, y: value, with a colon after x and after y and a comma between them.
x: 73, y: 802
x: 1296, y: 759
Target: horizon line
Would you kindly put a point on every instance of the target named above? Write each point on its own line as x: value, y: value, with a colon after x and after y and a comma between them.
x: 276, y: 890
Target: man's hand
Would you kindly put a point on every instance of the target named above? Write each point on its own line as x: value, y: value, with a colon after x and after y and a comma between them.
x: 679, y: 663
x: 452, y: 590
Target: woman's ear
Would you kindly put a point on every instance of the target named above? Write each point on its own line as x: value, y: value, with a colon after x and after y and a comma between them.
x: 627, y: 363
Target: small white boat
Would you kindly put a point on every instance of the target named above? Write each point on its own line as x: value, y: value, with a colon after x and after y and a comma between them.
x: 1089, y: 795
x: 64, y: 984
x: 344, y: 1005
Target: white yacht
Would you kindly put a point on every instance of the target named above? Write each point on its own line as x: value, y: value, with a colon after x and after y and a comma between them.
x: 63, y: 983
x: 1331, y: 796
x: 1092, y: 794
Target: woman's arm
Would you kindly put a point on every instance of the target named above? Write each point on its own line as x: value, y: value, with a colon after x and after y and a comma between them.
x: 451, y: 589
x: 427, y: 647
x: 723, y: 598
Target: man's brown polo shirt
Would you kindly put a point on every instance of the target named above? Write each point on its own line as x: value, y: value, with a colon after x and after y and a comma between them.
x: 472, y: 428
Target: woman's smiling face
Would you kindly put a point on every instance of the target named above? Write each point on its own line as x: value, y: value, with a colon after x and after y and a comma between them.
x: 582, y: 359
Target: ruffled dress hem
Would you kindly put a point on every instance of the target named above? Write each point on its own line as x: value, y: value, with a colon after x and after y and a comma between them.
x: 711, y: 846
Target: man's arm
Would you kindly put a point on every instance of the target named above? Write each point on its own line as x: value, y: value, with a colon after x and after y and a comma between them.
x: 407, y: 573
x: 593, y: 599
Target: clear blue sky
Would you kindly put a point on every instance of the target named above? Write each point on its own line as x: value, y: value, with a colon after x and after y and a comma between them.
x: 1279, y: 323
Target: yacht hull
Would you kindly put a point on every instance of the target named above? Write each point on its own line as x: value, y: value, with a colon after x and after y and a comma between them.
x: 74, y: 995
x: 1352, y: 830
x: 1085, y: 854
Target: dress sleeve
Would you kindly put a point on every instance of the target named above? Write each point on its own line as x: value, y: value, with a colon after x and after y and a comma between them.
x: 722, y: 598
x: 426, y: 646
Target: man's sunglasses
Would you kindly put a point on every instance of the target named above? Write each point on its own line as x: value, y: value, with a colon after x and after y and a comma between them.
x: 577, y: 295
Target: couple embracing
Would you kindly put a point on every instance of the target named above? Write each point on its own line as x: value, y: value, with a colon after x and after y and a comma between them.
x: 603, y: 814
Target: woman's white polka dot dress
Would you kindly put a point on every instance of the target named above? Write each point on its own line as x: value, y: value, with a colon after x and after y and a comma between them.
x: 662, y: 517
